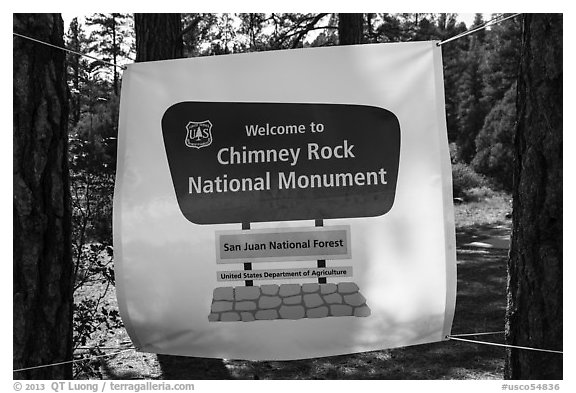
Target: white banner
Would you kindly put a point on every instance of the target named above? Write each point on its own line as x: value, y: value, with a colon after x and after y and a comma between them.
x: 285, y: 205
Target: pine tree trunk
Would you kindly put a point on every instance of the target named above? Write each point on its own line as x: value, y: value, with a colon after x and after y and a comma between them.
x: 350, y: 29
x: 534, y: 315
x: 42, y: 288
x: 158, y: 37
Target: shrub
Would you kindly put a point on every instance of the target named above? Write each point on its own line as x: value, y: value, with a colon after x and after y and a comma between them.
x: 476, y: 194
x: 495, y: 142
x: 464, y: 179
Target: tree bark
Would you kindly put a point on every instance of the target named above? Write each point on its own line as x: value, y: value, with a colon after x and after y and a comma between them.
x: 42, y: 265
x: 158, y: 37
x: 534, y: 314
x: 350, y: 29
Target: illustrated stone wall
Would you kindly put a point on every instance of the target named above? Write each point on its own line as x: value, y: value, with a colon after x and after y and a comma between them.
x: 287, y: 301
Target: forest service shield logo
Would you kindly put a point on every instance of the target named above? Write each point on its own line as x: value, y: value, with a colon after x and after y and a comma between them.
x: 199, y: 134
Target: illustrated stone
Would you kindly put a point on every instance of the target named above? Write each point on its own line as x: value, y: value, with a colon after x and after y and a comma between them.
x: 223, y: 293
x: 293, y: 299
x: 247, y: 293
x: 355, y: 299
x: 347, y: 287
x: 287, y: 301
x: 269, y: 302
x: 220, y: 306
x: 333, y: 298
x: 290, y: 290
x: 338, y: 310
x: 230, y: 316
x: 247, y: 316
x: 310, y: 287
x: 245, y: 306
x: 270, y: 290
x: 266, y: 314
x: 328, y: 288
x: 319, y: 312
x: 313, y: 300
x: 292, y: 312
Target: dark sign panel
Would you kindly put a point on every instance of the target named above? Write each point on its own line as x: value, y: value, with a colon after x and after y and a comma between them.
x: 251, y: 162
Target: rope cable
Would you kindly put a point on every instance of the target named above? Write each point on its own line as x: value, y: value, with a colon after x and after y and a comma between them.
x: 503, y: 345
x: 476, y: 334
x: 493, y: 21
x: 73, y: 361
x: 69, y: 50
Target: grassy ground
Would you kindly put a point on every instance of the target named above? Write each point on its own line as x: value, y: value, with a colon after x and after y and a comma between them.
x: 480, y: 307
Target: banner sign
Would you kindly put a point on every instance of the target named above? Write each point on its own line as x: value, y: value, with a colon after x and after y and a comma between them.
x: 285, y: 205
x: 283, y: 244
x: 300, y: 161
x: 273, y: 274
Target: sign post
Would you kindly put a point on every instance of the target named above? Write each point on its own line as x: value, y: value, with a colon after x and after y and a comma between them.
x: 247, y: 265
x: 321, y: 262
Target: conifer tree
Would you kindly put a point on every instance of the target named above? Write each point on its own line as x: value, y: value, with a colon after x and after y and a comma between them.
x: 42, y: 264
x: 535, y: 309
x: 109, y: 37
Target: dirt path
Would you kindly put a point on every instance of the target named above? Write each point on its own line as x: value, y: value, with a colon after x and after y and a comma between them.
x: 485, y: 236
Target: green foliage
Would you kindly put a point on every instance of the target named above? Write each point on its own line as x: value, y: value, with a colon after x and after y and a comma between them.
x: 77, y: 68
x: 92, y: 161
x: 454, y: 56
x: 495, y: 142
x: 325, y: 38
x: 196, y: 29
x: 477, y: 194
x: 252, y: 25
x: 470, y: 108
x: 223, y: 38
x: 94, y: 318
x: 87, y: 320
x: 465, y: 179
x: 501, y: 60
x: 215, y: 34
x: 486, y: 101
x: 89, y: 369
x: 111, y: 37
x: 93, y: 140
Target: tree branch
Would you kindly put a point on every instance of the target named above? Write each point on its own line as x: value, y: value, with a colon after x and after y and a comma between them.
x: 309, y: 27
x: 191, y: 26
x: 299, y: 29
